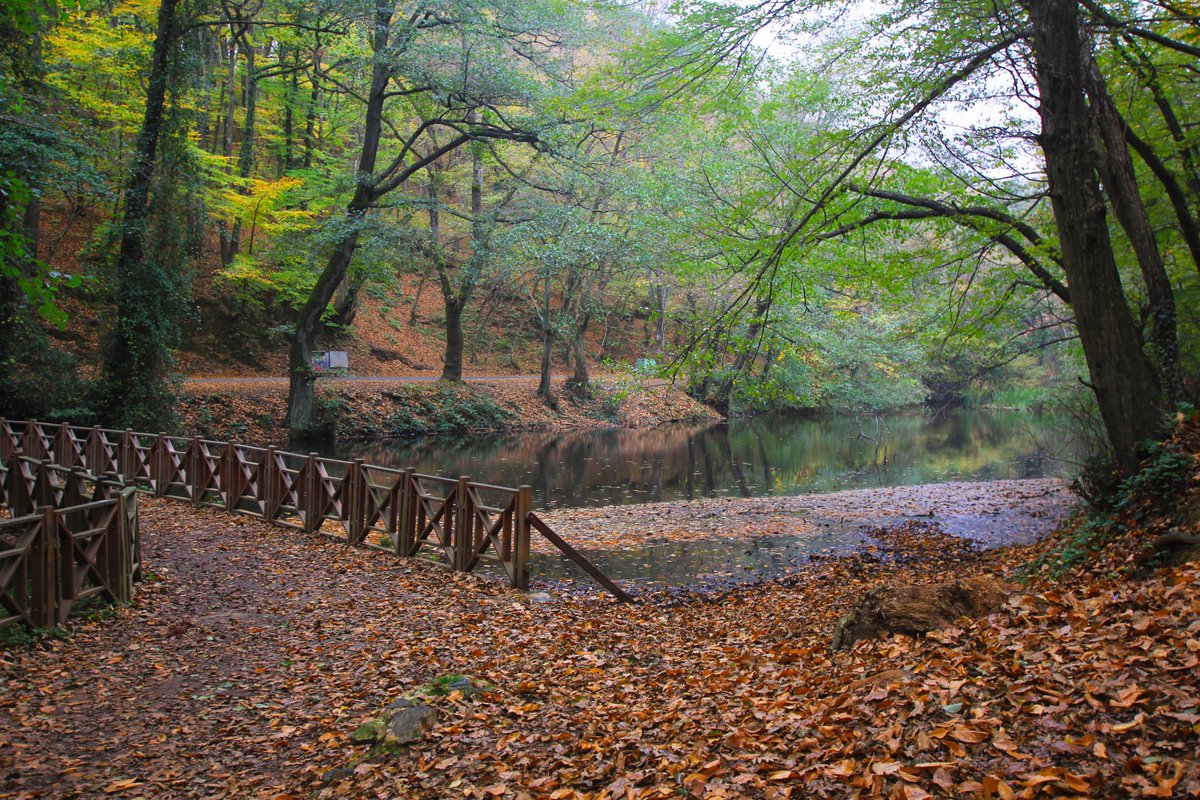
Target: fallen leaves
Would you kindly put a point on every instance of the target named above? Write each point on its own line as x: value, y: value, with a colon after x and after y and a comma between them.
x: 243, y: 671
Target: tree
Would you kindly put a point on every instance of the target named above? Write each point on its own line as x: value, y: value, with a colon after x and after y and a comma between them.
x: 465, y: 99
x: 951, y: 50
x: 148, y: 292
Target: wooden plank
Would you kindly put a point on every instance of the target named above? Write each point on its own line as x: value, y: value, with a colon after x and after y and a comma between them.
x: 578, y: 558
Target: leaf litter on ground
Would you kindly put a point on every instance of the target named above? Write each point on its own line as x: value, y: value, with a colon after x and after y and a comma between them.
x: 253, y: 653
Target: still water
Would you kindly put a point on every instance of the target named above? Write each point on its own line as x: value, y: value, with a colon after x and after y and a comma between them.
x: 764, y: 455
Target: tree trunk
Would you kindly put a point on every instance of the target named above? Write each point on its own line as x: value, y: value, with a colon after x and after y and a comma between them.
x: 135, y: 361
x: 345, y: 302
x: 1122, y: 377
x: 227, y: 129
x: 452, y: 362
x: 246, y: 152
x: 547, y: 359
x: 301, y: 377
x: 580, y: 382
x: 457, y: 297
x: 1120, y: 184
x: 543, y: 390
x: 1189, y: 227
x: 310, y: 112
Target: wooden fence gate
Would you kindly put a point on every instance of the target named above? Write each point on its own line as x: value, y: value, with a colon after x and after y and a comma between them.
x: 71, y: 536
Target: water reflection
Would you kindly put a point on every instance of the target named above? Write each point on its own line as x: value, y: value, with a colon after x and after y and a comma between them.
x: 766, y: 455
x: 722, y: 562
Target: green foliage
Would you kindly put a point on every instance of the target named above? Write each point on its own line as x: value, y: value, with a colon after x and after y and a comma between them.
x: 447, y: 409
x: 41, y: 382
x: 1117, y: 506
x: 15, y: 635
x: 331, y: 412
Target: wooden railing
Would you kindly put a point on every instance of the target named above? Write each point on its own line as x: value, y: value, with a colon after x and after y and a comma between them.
x: 454, y: 522
x: 71, y: 536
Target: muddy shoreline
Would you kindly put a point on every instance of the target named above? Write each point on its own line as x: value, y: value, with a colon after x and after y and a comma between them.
x: 1032, y: 507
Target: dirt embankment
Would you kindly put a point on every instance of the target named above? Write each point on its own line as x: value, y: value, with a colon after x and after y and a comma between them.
x: 253, y: 412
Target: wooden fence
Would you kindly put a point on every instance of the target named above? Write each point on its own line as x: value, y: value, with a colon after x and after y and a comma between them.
x: 454, y: 522
x: 71, y: 536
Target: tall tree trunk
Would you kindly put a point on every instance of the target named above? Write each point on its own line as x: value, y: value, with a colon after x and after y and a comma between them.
x: 457, y: 297
x: 246, y: 152
x: 1120, y: 184
x: 227, y: 132
x: 135, y: 361
x: 345, y: 301
x: 1189, y: 227
x: 287, y: 160
x: 301, y: 376
x: 543, y: 390
x: 310, y: 111
x: 452, y: 361
x: 580, y: 382
x: 1122, y: 377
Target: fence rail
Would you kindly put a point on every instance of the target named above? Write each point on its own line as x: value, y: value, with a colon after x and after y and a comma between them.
x: 71, y: 536
x: 455, y: 522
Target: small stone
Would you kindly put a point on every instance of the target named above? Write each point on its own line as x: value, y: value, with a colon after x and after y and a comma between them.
x: 337, y: 774
x: 411, y: 723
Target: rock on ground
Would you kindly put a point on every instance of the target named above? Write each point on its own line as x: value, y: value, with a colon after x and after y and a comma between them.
x: 917, y: 609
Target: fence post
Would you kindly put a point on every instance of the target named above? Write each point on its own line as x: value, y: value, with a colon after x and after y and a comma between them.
x: 266, y: 482
x: 192, y: 478
x: 64, y: 451
x: 127, y: 465
x: 158, y: 465
x: 6, y: 444
x: 30, y: 440
x: 231, y: 476
x: 521, y: 538
x: 43, y: 610
x: 130, y: 510
x: 395, y: 514
x: 406, y: 529
x: 120, y: 575
x: 356, y: 520
x: 92, y: 452
x: 20, y: 499
x: 461, y: 536
x: 309, y: 500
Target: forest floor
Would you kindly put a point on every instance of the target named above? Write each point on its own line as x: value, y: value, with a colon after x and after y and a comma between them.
x: 253, y: 652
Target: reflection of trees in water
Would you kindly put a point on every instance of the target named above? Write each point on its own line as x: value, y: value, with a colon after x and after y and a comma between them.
x: 757, y: 456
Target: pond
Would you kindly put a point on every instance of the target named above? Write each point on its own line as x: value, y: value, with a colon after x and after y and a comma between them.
x: 763, y: 455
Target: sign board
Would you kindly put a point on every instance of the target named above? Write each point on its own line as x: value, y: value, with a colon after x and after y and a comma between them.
x: 323, y: 360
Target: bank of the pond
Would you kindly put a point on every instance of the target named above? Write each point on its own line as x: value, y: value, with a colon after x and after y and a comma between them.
x: 1006, y: 512
x: 721, y: 543
x: 253, y: 411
